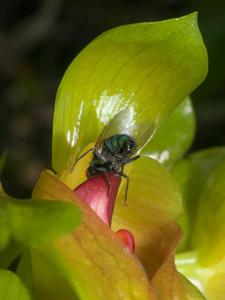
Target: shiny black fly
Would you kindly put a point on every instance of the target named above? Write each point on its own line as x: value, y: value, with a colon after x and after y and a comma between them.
x: 116, y: 146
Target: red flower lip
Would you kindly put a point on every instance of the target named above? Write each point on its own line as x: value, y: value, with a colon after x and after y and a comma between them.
x: 100, y: 195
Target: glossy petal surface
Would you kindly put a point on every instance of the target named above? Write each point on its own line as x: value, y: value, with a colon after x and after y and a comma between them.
x: 174, y: 136
x: 148, y: 67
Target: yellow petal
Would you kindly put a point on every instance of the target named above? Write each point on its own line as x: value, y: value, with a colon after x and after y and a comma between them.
x: 153, y: 204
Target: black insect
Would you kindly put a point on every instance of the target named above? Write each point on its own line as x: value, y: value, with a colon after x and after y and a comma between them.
x: 117, y: 145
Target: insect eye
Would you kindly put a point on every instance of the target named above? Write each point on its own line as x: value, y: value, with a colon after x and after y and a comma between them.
x: 130, y: 146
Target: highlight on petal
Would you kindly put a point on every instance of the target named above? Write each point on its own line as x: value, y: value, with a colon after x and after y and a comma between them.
x: 90, y: 263
x: 174, y: 136
x: 139, y: 66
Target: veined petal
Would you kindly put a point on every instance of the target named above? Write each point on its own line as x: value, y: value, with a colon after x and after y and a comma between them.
x: 148, y: 67
x: 169, y: 284
x: 91, y: 262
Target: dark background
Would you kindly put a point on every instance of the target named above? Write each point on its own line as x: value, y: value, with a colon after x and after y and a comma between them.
x: 38, y: 40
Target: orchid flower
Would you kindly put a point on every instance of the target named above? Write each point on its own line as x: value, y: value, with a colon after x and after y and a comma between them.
x: 117, y: 251
x: 122, y: 252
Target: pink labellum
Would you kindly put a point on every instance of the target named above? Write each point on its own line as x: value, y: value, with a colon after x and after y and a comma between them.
x: 100, y: 195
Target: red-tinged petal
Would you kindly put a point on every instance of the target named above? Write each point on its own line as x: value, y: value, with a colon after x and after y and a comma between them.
x: 91, y: 261
x: 127, y: 239
x: 99, y: 193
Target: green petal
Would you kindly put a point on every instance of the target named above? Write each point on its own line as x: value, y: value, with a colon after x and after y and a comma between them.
x: 202, y: 182
x: 191, y: 174
x: 209, y: 235
x: 11, y: 287
x: 91, y: 262
x: 150, y: 67
x: 153, y: 205
x: 37, y: 221
x: 174, y: 136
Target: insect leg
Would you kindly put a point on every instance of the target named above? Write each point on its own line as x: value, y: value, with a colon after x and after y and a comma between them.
x: 78, y: 158
x: 128, y: 160
x: 127, y: 185
x: 108, y: 182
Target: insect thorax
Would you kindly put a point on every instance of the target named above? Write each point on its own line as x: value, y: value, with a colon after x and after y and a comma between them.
x: 120, y: 145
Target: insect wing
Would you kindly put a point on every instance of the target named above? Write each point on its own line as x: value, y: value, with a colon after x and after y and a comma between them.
x: 125, y: 123
x: 141, y: 133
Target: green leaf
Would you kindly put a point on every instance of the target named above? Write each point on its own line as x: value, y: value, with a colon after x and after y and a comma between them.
x: 174, y: 136
x: 37, y: 221
x: 191, y: 174
x: 149, y: 67
x: 11, y: 287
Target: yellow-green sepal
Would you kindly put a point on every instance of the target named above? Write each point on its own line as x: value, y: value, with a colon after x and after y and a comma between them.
x: 149, y: 67
x: 174, y: 136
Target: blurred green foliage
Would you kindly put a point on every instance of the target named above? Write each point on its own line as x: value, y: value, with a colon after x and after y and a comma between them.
x: 38, y: 40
